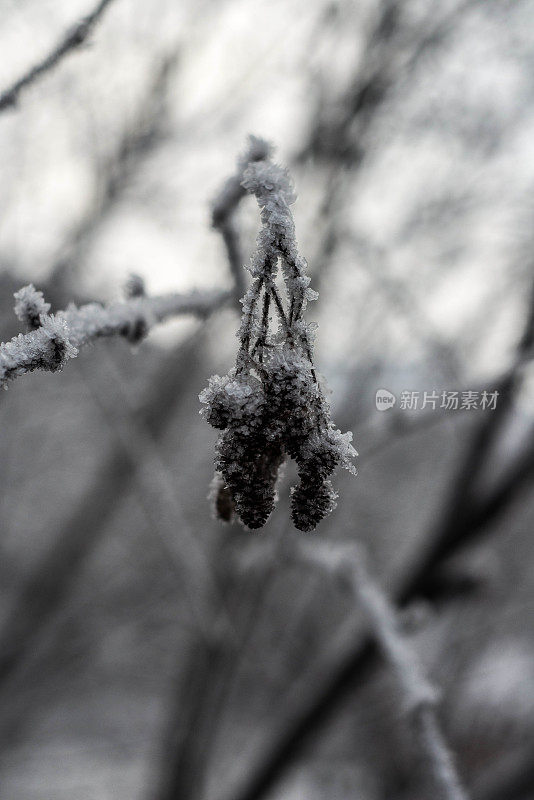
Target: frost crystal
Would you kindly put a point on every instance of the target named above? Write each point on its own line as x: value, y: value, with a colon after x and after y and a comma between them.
x: 270, y: 405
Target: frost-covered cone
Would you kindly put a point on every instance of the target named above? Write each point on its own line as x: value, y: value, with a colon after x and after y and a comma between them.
x: 311, y: 501
x: 248, y: 455
x: 253, y: 485
x: 271, y: 406
x: 318, y: 456
x: 248, y: 458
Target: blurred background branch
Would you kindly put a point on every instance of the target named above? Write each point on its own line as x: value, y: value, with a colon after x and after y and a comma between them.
x: 73, y: 39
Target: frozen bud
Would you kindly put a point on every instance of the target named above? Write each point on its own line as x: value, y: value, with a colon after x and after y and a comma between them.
x: 258, y: 150
x: 274, y: 190
x: 135, y: 331
x: 55, y: 333
x: 29, y: 306
x: 135, y: 286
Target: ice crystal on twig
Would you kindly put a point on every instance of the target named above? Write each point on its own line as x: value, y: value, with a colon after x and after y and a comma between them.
x: 271, y: 405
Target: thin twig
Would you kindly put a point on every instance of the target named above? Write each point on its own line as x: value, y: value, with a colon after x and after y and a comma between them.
x: 279, y: 306
x: 261, y: 341
x: 73, y: 39
x: 223, y: 213
x: 419, y: 697
x: 248, y: 317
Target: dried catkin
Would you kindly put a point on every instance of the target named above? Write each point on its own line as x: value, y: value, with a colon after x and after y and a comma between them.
x: 270, y: 406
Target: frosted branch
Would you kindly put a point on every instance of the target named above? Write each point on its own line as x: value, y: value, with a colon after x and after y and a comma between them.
x: 419, y: 696
x: 73, y: 39
x: 55, y: 339
x: 224, y: 208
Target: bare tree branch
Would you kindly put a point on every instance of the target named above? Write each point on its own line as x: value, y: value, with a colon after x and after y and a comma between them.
x: 73, y: 39
x: 60, y: 337
x: 419, y: 697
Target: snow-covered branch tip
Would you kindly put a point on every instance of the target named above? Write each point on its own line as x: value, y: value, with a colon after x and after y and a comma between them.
x: 271, y: 405
x: 72, y: 40
x: 52, y: 340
